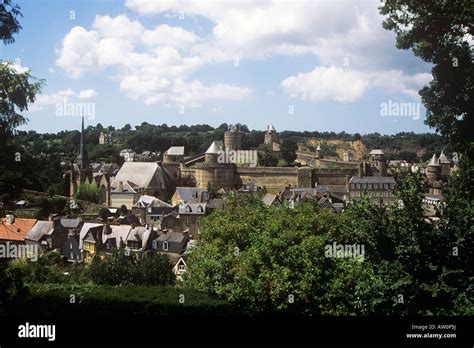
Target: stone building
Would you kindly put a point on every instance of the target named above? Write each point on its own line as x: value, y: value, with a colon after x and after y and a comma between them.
x: 271, y: 138
x: 232, y: 139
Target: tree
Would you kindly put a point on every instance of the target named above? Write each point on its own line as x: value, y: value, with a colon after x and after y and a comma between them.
x: 266, y: 157
x: 88, y: 192
x: 132, y: 268
x: 288, y: 150
x: 17, y: 90
x: 437, y: 32
x: 9, y: 23
x: 264, y: 259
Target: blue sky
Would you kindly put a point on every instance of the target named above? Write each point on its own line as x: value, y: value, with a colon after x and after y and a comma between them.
x: 252, y: 62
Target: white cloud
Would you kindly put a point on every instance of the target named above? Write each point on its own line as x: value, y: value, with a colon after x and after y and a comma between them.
x: 61, y: 96
x: 16, y: 66
x: 156, y: 65
x: 164, y: 35
x: 344, y: 86
x: 151, y: 65
x: 333, y: 84
x: 87, y: 94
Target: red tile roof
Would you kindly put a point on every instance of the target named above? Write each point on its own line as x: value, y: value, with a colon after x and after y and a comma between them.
x: 16, y: 231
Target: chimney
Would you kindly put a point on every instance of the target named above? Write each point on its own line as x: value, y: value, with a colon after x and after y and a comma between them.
x: 120, y: 187
x: 10, y: 219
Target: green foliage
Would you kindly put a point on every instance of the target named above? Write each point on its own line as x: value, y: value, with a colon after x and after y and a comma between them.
x: 257, y: 257
x: 288, y: 150
x: 136, y: 268
x: 436, y: 32
x: 88, y: 192
x: 9, y: 23
x: 12, y: 289
x: 266, y: 157
x: 120, y: 301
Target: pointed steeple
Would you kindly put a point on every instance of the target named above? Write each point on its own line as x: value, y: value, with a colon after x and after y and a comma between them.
x: 82, y: 157
x: 434, y: 161
x: 443, y: 159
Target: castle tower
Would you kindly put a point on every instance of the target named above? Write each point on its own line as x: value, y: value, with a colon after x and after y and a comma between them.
x: 445, y: 164
x: 211, y: 172
x: 433, y: 171
x: 232, y: 139
x: 318, y: 152
x: 213, y: 151
x: 271, y: 137
x: 378, y: 162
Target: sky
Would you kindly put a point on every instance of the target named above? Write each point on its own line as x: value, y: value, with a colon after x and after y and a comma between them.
x: 323, y: 65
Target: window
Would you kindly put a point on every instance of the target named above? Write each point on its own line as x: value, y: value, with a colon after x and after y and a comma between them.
x: 181, y: 267
x: 187, y: 221
x: 71, y: 255
x: 188, y: 209
x: 200, y: 209
x: 165, y: 245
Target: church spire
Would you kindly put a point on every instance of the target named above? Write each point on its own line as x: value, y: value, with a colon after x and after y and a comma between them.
x: 82, y: 158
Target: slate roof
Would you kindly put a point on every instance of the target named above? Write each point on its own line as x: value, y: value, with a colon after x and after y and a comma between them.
x: 190, y: 194
x: 70, y: 223
x: 127, y: 187
x: 173, y: 237
x: 372, y: 180
x: 16, y: 231
x: 335, y: 188
x: 120, y: 232
x: 40, y: 229
x: 142, y: 174
x: 140, y: 233
x: 175, y: 151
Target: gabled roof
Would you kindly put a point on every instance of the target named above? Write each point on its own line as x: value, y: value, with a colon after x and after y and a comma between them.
x: 120, y: 232
x: 215, y: 147
x: 40, y: 229
x: 16, y: 231
x: 127, y: 187
x: 142, y: 174
x: 85, y: 228
x: 269, y: 199
x: 175, y: 151
x: 150, y: 201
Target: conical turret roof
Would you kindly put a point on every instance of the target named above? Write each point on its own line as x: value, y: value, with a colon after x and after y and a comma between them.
x: 434, y: 161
